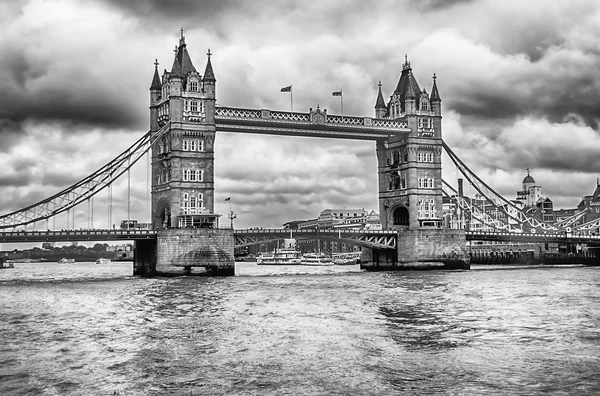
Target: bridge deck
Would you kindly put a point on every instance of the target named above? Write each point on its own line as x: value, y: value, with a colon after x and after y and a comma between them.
x: 76, y: 235
x: 313, y: 124
x: 526, y: 237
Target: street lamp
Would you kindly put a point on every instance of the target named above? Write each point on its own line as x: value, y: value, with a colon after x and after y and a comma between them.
x: 231, y: 217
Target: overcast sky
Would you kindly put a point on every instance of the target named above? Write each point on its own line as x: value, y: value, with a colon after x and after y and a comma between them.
x: 519, y: 82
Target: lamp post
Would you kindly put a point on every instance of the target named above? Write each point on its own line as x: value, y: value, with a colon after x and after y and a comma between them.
x: 231, y: 217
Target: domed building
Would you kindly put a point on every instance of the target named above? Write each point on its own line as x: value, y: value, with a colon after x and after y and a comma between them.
x: 531, y: 200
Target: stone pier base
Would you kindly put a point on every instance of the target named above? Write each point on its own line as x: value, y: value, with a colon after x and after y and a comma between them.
x: 144, y: 257
x: 424, y: 249
x: 195, y: 251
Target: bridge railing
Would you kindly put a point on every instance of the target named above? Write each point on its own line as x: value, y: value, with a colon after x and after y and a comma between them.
x: 233, y: 113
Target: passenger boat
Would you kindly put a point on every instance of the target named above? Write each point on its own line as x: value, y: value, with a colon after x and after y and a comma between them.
x: 6, y: 264
x: 103, y: 261
x: 279, y: 257
x: 66, y: 261
x: 316, y: 259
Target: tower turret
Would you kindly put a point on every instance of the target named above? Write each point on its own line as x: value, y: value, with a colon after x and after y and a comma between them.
x: 380, y: 107
x: 209, y: 87
x: 436, y: 101
x: 155, y: 88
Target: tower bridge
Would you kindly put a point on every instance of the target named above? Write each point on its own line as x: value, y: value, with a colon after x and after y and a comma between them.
x: 406, y: 129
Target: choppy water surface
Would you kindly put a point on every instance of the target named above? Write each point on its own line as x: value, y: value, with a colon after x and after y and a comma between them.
x: 86, y: 329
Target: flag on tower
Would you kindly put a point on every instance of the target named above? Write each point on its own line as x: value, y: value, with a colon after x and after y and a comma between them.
x: 336, y: 93
x: 227, y: 199
x: 287, y: 89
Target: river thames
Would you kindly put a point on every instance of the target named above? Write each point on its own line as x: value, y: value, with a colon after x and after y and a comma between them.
x: 85, y: 329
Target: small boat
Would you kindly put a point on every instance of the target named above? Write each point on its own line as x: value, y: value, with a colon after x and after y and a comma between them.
x: 279, y: 257
x: 103, y: 261
x: 316, y: 259
x: 6, y: 264
x: 66, y: 261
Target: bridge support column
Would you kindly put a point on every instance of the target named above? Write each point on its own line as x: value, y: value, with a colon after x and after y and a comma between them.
x: 195, y: 251
x: 144, y: 257
x: 423, y: 249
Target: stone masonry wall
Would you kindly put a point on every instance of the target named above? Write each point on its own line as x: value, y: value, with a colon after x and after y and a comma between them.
x: 431, y: 245
x: 179, y: 245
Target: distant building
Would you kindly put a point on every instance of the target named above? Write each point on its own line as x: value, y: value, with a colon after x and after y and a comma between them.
x: 530, y: 199
x: 591, y: 203
x: 48, y: 245
x: 359, y: 219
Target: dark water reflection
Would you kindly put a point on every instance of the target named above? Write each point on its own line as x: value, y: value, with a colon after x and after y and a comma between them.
x: 84, y: 329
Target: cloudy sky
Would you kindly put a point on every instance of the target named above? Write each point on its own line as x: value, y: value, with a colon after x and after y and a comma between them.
x: 519, y: 81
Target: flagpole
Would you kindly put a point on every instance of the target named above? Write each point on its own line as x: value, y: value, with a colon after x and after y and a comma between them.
x: 291, y: 100
x: 342, y: 100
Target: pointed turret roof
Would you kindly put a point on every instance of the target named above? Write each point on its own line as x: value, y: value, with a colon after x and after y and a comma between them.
x: 209, y: 75
x: 403, y: 84
x: 182, y: 65
x: 156, y: 84
x: 380, y: 103
x: 435, y: 95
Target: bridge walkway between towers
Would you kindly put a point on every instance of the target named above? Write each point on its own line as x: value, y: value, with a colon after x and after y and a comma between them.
x: 315, y: 123
x: 367, y: 238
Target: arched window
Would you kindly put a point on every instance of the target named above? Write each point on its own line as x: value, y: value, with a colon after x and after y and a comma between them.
x: 395, y: 157
x: 400, y: 216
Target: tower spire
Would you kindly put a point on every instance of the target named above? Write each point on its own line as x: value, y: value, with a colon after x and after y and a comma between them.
x: 435, y: 95
x: 380, y: 107
x: 156, y: 84
x: 209, y: 75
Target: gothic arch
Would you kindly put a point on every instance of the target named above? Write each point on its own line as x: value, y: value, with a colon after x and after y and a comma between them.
x: 400, y: 216
x: 162, y: 214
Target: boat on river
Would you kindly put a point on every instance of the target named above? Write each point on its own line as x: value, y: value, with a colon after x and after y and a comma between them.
x: 66, y: 261
x: 279, y: 257
x: 6, y: 264
x: 103, y: 261
x: 316, y: 259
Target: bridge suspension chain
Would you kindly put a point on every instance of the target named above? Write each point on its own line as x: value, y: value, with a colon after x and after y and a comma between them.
x: 467, y: 206
x: 86, y: 187
x: 498, y: 201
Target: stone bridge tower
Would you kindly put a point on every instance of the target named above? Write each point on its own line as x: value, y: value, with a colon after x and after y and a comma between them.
x: 182, y: 107
x: 409, y: 167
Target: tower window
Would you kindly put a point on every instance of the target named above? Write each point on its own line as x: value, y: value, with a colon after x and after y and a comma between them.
x: 425, y: 156
x: 193, y: 145
x: 194, y: 105
x: 193, y: 86
x: 425, y: 182
x: 426, y: 208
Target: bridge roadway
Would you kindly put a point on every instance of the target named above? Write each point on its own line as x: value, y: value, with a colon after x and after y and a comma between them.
x: 76, y: 235
x: 367, y: 238
x: 535, y: 238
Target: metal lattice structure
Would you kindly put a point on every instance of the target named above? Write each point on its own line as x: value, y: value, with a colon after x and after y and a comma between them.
x: 511, y: 211
x: 371, y: 239
x: 85, y: 188
x: 467, y: 206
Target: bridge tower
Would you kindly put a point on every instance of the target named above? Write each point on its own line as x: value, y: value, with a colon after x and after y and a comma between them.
x: 409, y: 167
x: 182, y: 113
x: 183, y: 102
x: 410, y: 181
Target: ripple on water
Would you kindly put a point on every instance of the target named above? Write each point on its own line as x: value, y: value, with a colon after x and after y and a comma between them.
x: 315, y: 331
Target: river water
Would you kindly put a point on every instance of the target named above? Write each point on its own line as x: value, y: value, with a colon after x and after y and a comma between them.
x: 85, y: 329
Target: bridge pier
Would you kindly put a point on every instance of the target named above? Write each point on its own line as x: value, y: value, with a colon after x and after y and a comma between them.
x: 144, y: 257
x: 195, y: 251
x: 421, y: 249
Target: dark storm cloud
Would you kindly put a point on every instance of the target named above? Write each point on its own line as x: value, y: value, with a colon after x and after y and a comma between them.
x: 569, y: 87
x: 75, y: 96
x: 434, y: 5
